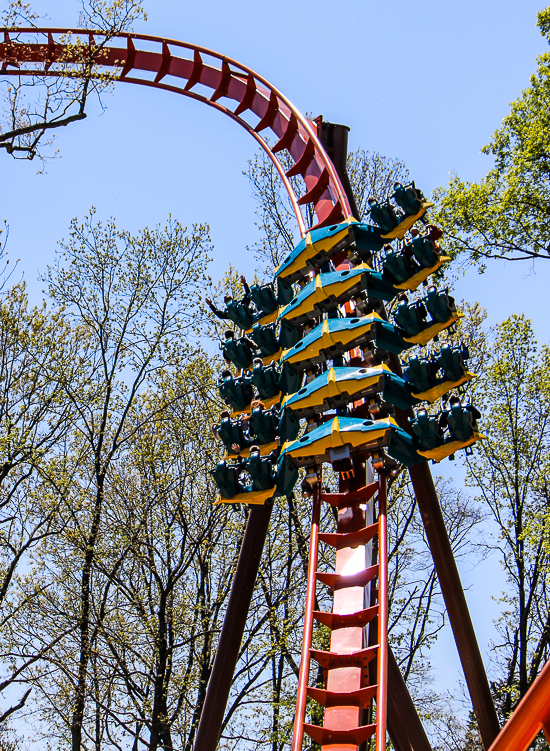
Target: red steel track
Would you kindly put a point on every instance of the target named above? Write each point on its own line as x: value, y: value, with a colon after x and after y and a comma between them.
x: 203, y: 75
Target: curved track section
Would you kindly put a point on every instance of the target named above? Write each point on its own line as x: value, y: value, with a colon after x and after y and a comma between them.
x: 201, y: 74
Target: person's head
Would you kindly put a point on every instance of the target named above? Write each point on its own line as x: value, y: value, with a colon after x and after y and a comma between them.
x: 226, y: 374
x: 229, y: 334
x: 372, y: 200
x: 227, y: 298
x: 256, y: 403
x: 224, y: 415
x: 402, y: 297
x: 257, y: 362
x: 454, y: 400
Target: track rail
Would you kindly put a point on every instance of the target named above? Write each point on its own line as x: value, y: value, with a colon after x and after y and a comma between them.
x: 201, y: 74
x: 530, y: 717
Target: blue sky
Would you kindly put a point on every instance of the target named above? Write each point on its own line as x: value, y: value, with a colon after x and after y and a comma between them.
x: 427, y: 82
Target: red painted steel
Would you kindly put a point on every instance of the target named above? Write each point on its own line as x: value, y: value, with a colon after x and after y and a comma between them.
x: 382, y: 667
x: 260, y: 106
x: 350, y: 688
x: 530, y: 717
x: 303, y: 677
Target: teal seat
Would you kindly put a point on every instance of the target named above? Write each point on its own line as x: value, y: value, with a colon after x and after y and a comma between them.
x: 227, y: 478
x: 266, y: 378
x: 451, y: 361
x: 408, y: 197
x: 238, y: 352
x: 461, y: 421
x: 410, y: 317
x: 240, y: 314
x: 424, y: 250
x: 289, y: 426
x: 288, y: 335
x: 266, y: 339
x: 427, y: 431
x: 264, y: 424
x: 231, y: 431
x: 264, y: 298
x: 379, y: 287
x: 420, y: 372
x: 261, y: 470
x: 440, y: 305
x: 287, y: 476
x: 290, y: 380
x: 398, y: 266
x: 384, y: 215
x: 285, y: 292
x: 236, y: 391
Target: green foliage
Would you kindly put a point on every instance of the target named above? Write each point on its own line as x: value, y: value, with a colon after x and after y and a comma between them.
x: 509, y: 471
x: 506, y: 215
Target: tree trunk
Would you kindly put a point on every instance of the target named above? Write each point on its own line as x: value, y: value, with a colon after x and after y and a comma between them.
x: 84, y: 625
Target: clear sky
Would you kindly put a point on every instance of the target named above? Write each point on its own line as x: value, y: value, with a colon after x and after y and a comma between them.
x: 426, y: 81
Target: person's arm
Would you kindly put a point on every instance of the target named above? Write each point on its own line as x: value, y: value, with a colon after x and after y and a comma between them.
x: 246, y: 288
x: 250, y: 343
x: 217, y: 312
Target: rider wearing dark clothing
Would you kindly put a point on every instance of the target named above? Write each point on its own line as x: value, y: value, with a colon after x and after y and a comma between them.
x: 222, y: 314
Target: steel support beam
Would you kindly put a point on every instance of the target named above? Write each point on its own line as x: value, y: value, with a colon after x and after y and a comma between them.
x: 404, y: 725
x: 455, y: 602
x: 223, y: 669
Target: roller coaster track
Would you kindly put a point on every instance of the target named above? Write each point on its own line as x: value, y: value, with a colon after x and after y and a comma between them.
x: 251, y: 101
x: 200, y: 74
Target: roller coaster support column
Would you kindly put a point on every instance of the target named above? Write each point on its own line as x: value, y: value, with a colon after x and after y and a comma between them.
x: 334, y: 139
x: 455, y: 602
x: 223, y: 669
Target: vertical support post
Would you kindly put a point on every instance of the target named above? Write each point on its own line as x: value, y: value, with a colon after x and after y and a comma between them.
x: 303, y: 677
x: 221, y: 677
